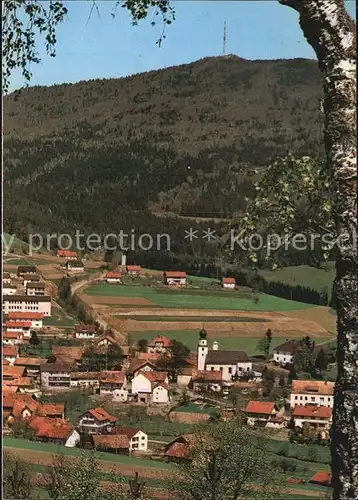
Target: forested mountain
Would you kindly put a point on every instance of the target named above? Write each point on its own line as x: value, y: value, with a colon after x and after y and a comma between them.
x: 104, y: 155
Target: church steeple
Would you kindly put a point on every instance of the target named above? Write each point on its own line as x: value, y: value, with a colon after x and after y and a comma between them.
x: 202, y: 349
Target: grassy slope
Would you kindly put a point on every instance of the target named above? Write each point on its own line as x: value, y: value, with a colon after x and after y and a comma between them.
x: 211, y: 300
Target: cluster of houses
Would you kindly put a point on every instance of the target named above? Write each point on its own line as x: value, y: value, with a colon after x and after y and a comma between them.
x: 25, y: 292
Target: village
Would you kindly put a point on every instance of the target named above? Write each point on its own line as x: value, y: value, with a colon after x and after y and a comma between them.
x: 159, y: 377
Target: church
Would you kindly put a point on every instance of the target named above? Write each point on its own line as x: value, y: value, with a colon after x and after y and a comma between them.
x: 229, y: 363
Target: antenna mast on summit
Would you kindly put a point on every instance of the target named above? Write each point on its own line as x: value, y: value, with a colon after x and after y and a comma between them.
x: 224, y: 40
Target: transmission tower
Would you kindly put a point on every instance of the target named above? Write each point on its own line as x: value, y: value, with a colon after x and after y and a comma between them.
x: 224, y: 40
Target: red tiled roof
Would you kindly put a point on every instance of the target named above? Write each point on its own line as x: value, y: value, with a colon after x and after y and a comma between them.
x: 85, y: 328
x: 229, y: 281
x: 5, y: 362
x: 71, y: 353
x: 133, y: 268
x: 147, y: 356
x: 10, y: 350
x: 155, y: 376
x: 137, y: 364
x: 9, y: 389
x: 178, y: 450
x: 113, y: 275
x: 112, y: 377
x: 12, y: 371
x: 114, y: 441
x: 51, y: 409
x: 130, y: 432
x: 101, y: 415
x: 287, y: 347
x: 264, y: 408
x: 312, y: 386
x: 207, y: 376
x: 66, y: 253
x: 312, y: 411
x: 25, y: 315
x: 12, y: 335
x: 160, y: 339
x: 21, y: 402
x: 175, y: 274
x: 18, y: 324
x: 19, y: 382
x: 84, y: 375
x: 160, y: 384
x: 25, y: 361
x: 322, y: 478
x: 51, y: 428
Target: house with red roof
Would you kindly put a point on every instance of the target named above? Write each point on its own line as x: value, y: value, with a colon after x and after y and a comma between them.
x: 34, y: 317
x: 318, y: 417
x: 19, y: 327
x: 113, y: 382
x: 259, y: 413
x: 96, y: 421
x: 10, y: 352
x: 31, y: 365
x: 52, y: 430
x: 12, y: 338
x: 178, y: 451
x: 67, y: 254
x: 207, y: 380
x: 312, y: 392
x: 114, y: 277
x: 284, y: 353
x: 228, y: 283
x: 133, y: 270
x: 144, y: 382
x: 158, y: 345
x: 83, y: 331
x: 138, y: 440
x: 111, y: 443
x: 176, y: 278
x: 322, y: 478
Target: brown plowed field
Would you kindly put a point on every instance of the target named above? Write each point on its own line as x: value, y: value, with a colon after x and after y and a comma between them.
x: 197, y: 312
x: 135, y: 301
x: 319, y: 314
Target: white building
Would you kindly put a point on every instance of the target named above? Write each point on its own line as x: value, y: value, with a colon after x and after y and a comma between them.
x: 12, y: 338
x: 175, y: 278
x: 312, y: 392
x: 133, y: 270
x: 6, y: 279
x: 143, y: 384
x: 19, y: 327
x: 285, y: 352
x: 96, y: 421
x: 11, y: 353
x: 229, y: 283
x: 230, y: 363
x: 138, y: 440
x: 319, y: 417
x: 55, y: 376
x: 75, y: 266
x: 84, y: 379
x: 86, y: 332
x: 113, y: 278
x: 31, y: 278
x: 159, y: 344
x: 25, y: 303
x: 160, y: 393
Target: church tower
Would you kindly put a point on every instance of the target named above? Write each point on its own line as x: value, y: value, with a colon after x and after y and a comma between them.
x: 202, y: 349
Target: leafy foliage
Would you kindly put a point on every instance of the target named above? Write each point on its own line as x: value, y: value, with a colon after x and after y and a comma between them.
x: 16, y: 478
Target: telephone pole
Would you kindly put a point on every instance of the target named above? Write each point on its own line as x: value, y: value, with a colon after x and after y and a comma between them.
x: 224, y: 39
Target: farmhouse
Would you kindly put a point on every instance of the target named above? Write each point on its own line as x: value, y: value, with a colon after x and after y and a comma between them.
x: 20, y: 385
x: 111, y: 443
x: 207, y: 381
x: 137, y: 365
x: 231, y: 364
x: 25, y: 303
x: 67, y: 254
x: 159, y: 344
x: 55, y: 376
x: 285, y: 352
x: 52, y: 430
x: 35, y: 288
x: 113, y: 277
x: 259, y: 413
x: 144, y: 382
x: 178, y: 451
x: 318, y: 417
x: 31, y: 278
x: 6, y: 278
x: 311, y: 392
x: 74, y: 266
x: 84, y: 379
x: 10, y: 353
x: 96, y: 421
x: 12, y: 338
x: 31, y: 365
x: 22, y: 327
x: 83, y: 331
x: 68, y: 354
x: 12, y: 372
x: 35, y: 318
x: 138, y: 440
x: 160, y: 393
x: 21, y: 270
x: 8, y: 289
x: 175, y: 278
x: 229, y: 283
x: 110, y: 381
x: 133, y: 270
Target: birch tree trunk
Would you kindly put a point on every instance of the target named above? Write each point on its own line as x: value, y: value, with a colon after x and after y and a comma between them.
x: 331, y: 32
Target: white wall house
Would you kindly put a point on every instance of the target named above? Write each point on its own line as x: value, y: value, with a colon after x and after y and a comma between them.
x: 319, y: 417
x: 34, y: 317
x: 8, y: 289
x: 12, y: 338
x: 74, y: 266
x: 138, y: 440
x: 114, y: 277
x: 175, y: 278
x: 285, y: 352
x: 84, y: 379
x: 31, y: 278
x: 96, y: 421
x: 143, y: 384
x: 159, y: 344
x: 11, y: 353
x: 133, y: 270
x: 35, y: 289
x: 6, y: 278
x: 25, y: 303
x: 160, y: 393
x: 55, y: 376
x: 19, y: 327
x: 311, y: 392
x: 85, y: 331
x: 229, y: 283
x: 229, y: 363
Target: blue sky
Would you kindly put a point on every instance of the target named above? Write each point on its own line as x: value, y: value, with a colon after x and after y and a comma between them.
x: 103, y: 47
